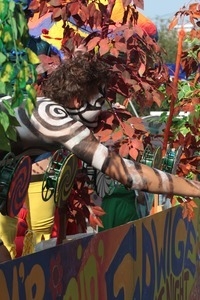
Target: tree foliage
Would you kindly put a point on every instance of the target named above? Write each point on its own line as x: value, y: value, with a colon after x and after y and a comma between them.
x: 130, y: 52
x: 17, y: 71
x: 168, y: 40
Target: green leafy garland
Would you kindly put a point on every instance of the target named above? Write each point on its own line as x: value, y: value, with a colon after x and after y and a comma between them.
x: 17, y: 69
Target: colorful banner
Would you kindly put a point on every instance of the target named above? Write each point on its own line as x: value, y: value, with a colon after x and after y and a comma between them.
x: 154, y: 258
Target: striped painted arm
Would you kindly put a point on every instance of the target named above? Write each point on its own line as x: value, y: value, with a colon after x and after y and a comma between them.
x: 53, y: 124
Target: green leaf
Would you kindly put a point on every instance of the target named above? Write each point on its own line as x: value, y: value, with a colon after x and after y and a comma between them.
x: 30, y: 105
x: 13, y: 121
x: 2, y: 58
x: 184, y: 131
x: 18, y: 97
x: 33, y: 58
x: 14, y: 29
x: 11, y: 133
x: 33, y: 73
x: 4, y: 120
x: 5, y: 142
x: 2, y: 88
x: 12, y: 6
x: 7, y: 72
x: 3, y: 9
x: 22, y: 78
x: 21, y: 24
x: 9, y: 88
x: 7, y: 105
x: 7, y: 34
x: 1, y: 44
x: 31, y: 92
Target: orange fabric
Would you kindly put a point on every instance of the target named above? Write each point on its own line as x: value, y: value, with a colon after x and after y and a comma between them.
x: 145, y: 23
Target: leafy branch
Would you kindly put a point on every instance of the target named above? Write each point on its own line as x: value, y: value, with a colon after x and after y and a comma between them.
x: 17, y: 71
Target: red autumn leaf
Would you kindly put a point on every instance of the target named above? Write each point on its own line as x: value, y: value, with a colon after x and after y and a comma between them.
x: 97, y: 210
x: 109, y: 117
x: 184, y: 169
x: 97, y: 18
x: 85, y: 10
x: 142, y: 69
x: 139, y: 3
x: 139, y: 31
x: 189, y: 139
x: 45, y: 59
x: 74, y: 8
x: 43, y: 9
x: 95, y: 221
x: 156, y: 98
x: 105, y: 138
x: 146, y: 86
x: 121, y: 47
x: 192, y: 204
x: 126, y: 76
x: 83, y: 16
x: 137, y: 144
x: 128, y: 129
x: 64, y: 13
x: 149, y: 98
x: 134, y: 120
x: 184, y: 211
x: 188, y: 211
x: 124, y: 150
x: 192, y: 20
x: 174, y: 201
x: 34, y: 5
x: 103, y: 47
x: 56, y: 13
x: 114, y: 52
x: 140, y: 127
x: 190, y: 215
x: 117, y: 135
x: 195, y: 100
x: 195, y: 9
x: 93, y: 43
x: 181, y: 138
x: 91, y: 8
x: 133, y: 152
x: 104, y: 132
x: 55, y: 2
x: 188, y: 107
x: 101, y: 127
x: 128, y: 33
x: 173, y: 23
x: 137, y: 123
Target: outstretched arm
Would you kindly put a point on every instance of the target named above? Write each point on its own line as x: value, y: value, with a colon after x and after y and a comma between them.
x: 54, y: 125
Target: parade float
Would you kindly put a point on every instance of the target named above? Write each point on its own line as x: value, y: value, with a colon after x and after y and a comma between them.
x: 154, y: 257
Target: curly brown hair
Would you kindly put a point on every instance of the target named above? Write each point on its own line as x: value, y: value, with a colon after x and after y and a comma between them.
x: 78, y: 77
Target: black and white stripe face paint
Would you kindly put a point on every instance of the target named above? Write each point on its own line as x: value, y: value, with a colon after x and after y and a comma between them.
x: 54, y: 123
x: 89, y: 113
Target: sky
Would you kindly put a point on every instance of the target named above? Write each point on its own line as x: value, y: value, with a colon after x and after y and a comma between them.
x: 163, y: 8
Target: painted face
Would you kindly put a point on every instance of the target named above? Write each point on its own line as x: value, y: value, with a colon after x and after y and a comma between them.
x: 89, y: 112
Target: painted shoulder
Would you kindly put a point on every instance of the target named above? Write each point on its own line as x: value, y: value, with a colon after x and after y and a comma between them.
x: 53, y: 121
